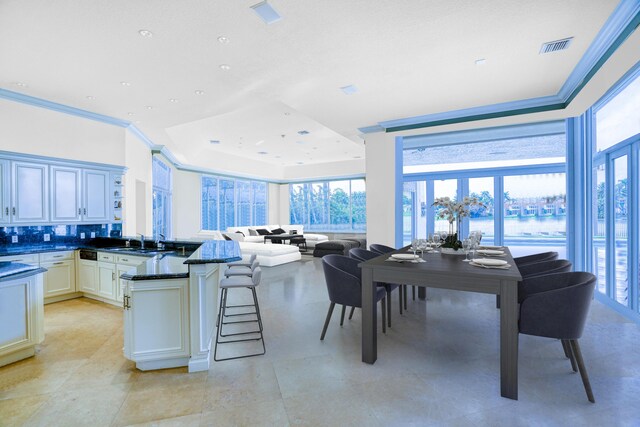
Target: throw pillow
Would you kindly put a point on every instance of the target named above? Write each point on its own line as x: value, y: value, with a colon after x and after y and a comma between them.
x: 278, y: 231
x: 253, y: 232
x: 263, y: 232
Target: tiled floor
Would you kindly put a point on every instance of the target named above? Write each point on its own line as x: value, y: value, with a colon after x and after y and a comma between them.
x: 438, y: 365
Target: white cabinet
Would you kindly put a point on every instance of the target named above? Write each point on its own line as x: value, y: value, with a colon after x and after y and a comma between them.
x: 156, y: 323
x: 87, y: 276
x: 107, y: 280
x: 96, y: 200
x: 29, y: 193
x: 65, y: 194
x: 60, y: 278
x: 21, y: 317
x: 5, y: 191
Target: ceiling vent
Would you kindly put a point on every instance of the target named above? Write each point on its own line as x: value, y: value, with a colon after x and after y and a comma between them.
x: 303, y: 132
x: 214, y: 141
x: 556, y: 45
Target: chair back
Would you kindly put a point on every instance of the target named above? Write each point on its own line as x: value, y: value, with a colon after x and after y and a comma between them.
x: 343, y: 279
x: 556, y: 305
x: 546, y: 267
x: 381, y: 249
x: 530, y: 259
x: 256, y: 276
x: 362, y: 254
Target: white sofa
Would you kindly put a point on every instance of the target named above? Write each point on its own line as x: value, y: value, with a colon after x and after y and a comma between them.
x: 268, y: 255
x: 312, y: 239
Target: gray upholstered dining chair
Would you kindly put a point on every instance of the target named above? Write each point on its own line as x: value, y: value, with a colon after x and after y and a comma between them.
x: 384, y: 249
x: 556, y: 306
x: 529, y: 271
x: 365, y: 255
x: 530, y: 259
x: 344, y: 284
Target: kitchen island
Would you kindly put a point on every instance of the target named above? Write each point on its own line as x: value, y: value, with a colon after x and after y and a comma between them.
x: 170, y: 307
x: 21, y: 311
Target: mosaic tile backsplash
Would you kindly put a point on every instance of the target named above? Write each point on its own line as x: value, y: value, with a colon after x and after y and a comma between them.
x: 55, y: 234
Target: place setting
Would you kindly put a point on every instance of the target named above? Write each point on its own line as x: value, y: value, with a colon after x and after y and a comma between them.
x: 490, y: 263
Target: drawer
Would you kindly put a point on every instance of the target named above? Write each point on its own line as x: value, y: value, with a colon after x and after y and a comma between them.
x: 106, y: 257
x: 56, y: 256
x: 24, y: 259
x: 130, y: 260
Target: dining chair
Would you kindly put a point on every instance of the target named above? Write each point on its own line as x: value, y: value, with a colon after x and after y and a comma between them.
x: 344, y: 284
x: 529, y: 271
x: 556, y: 306
x: 530, y: 259
x: 384, y: 249
x: 363, y: 255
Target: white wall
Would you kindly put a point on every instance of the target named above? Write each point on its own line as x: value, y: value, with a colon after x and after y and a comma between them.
x: 138, y: 203
x: 324, y: 170
x: 284, y: 214
x: 186, y: 204
x: 39, y: 131
x: 273, y: 216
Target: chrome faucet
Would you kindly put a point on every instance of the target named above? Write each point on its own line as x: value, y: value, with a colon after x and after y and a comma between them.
x: 159, y: 244
x: 141, y: 241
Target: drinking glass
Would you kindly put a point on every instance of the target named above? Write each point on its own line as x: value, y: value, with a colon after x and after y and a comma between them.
x: 466, y: 245
x: 414, y: 245
x: 422, y: 246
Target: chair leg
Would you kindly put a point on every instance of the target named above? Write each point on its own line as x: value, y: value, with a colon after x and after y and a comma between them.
x: 388, y: 303
x: 326, y: 322
x: 575, y: 347
x: 384, y: 320
x: 400, y: 292
x: 351, y: 313
x: 344, y: 309
x: 413, y: 292
x: 569, y: 354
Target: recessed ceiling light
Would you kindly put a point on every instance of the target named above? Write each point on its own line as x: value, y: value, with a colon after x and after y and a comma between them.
x: 21, y: 84
x: 299, y: 163
x: 225, y: 67
x: 287, y: 113
x: 303, y: 132
x: 130, y: 113
x: 260, y: 142
x: 145, y: 33
x: 173, y: 100
x: 214, y: 141
x: 148, y: 107
x: 91, y: 97
x: 125, y: 83
x: 262, y: 152
x: 223, y: 39
x: 481, y: 61
x: 349, y: 90
x: 199, y: 92
x: 266, y: 12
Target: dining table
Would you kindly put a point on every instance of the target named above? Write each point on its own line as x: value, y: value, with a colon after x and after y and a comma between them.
x: 447, y: 271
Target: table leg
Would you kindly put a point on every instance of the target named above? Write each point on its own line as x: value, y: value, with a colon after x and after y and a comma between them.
x: 422, y: 293
x: 509, y: 339
x: 369, y: 318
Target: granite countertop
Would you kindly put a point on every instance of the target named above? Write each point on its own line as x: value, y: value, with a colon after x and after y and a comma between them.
x: 172, y: 266
x: 12, y: 270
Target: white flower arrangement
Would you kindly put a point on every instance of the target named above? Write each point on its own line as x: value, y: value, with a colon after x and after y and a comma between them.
x: 452, y: 210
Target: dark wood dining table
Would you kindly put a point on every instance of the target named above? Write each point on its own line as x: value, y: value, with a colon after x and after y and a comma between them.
x: 448, y: 272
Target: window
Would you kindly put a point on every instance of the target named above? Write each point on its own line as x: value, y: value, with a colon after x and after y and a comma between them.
x: 161, y: 176
x: 329, y: 205
x: 517, y: 173
x: 614, y: 195
x: 228, y: 202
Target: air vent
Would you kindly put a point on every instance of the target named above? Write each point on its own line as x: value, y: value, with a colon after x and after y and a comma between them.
x: 556, y: 45
x: 214, y: 141
x: 303, y: 132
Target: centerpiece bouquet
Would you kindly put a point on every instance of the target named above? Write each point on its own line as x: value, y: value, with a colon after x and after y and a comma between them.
x: 454, y: 211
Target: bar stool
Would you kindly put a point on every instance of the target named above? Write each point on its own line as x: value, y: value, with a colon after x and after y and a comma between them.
x: 239, y: 282
x: 243, y: 263
x: 242, y: 270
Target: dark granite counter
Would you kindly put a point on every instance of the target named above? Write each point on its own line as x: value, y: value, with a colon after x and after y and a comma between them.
x: 14, y: 270
x: 216, y: 251
x: 172, y: 266
x: 159, y: 267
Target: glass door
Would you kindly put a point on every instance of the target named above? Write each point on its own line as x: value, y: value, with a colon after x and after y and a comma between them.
x: 619, y: 210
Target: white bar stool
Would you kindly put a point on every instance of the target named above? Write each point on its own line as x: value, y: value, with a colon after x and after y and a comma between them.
x: 239, y: 282
x: 248, y: 263
x: 241, y: 270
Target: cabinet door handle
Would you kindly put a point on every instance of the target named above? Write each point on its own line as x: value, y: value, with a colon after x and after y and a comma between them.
x: 58, y: 256
x: 125, y: 260
x: 6, y: 210
x: 113, y: 276
x: 13, y: 211
x: 79, y: 211
x: 85, y: 211
x: 58, y: 263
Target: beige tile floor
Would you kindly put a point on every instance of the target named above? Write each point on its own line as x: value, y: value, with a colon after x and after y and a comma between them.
x: 438, y: 365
